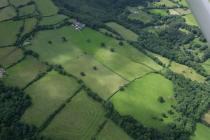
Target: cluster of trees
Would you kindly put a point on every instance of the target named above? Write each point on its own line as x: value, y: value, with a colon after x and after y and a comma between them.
x: 192, y: 98
x: 13, y: 103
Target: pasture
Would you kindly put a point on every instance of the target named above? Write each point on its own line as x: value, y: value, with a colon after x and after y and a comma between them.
x: 11, y: 29
x: 9, y: 55
x: 17, y: 3
x: 189, y: 19
x: 77, y: 51
x: 140, y: 15
x: 124, y: 32
x: 140, y: 99
x: 50, y: 10
x: 24, y: 72
x: 47, y: 95
x: 52, y: 19
x: 27, y: 10
x: 7, y: 13
x: 206, y: 66
x: 186, y: 71
x: 166, y: 3
x: 29, y: 25
x: 79, y: 120
x: 160, y: 12
x: 112, y: 132
x: 3, y: 3
x: 101, y: 80
x: 121, y: 65
x: 202, y: 132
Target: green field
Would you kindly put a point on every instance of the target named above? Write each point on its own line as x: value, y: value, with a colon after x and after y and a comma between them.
x: 167, y: 3
x: 7, y: 13
x: 27, y: 10
x: 11, y: 29
x: 71, y: 55
x: 79, y: 120
x: 50, y: 10
x: 187, y: 72
x: 52, y: 19
x: 47, y: 95
x: 189, y: 19
x: 121, y: 64
x: 112, y: 132
x: 3, y: 3
x: 24, y: 72
x: 125, y: 33
x: 29, y: 25
x: 140, y: 100
x: 17, y: 3
x: 159, y: 12
x: 202, y: 132
x: 206, y: 66
x: 103, y: 81
x: 140, y: 15
x: 9, y: 56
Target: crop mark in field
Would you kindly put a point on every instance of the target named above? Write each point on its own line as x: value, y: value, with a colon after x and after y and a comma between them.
x: 58, y: 110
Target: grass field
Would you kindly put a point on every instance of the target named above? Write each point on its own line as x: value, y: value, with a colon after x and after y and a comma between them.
x: 3, y: 3
x: 159, y: 12
x: 47, y: 95
x: 125, y: 33
x: 122, y: 65
x: 7, y: 13
x: 102, y: 81
x: 166, y: 3
x: 187, y: 72
x: 206, y: 66
x: 112, y: 132
x: 24, y: 72
x: 52, y: 19
x: 140, y: 100
x: 11, y: 29
x: 189, y: 19
x: 202, y: 132
x: 50, y: 10
x: 141, y: 16
x: 9, y: 56
x: 71, y: 54
x: 29, y: 25
x: 79, y: 120
x: 27, y: 10
x: 17, y: 3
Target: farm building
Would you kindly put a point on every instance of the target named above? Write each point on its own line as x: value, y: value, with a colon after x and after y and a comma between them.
x: 2, y: 71
x: 78, y: 25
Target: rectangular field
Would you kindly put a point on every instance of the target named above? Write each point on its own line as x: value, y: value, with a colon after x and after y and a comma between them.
x: 47, y: 95
x: 125, y: 33
x: 141, y: 99
x: 79, y: 120
x: 100, y: 79
x: 24, y: 72
x: 112, y: 132
x: 10, y: 55
x: 50, y: 10
x: 202, y: 132
x: 9, y: 31
x: 7, y: 13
